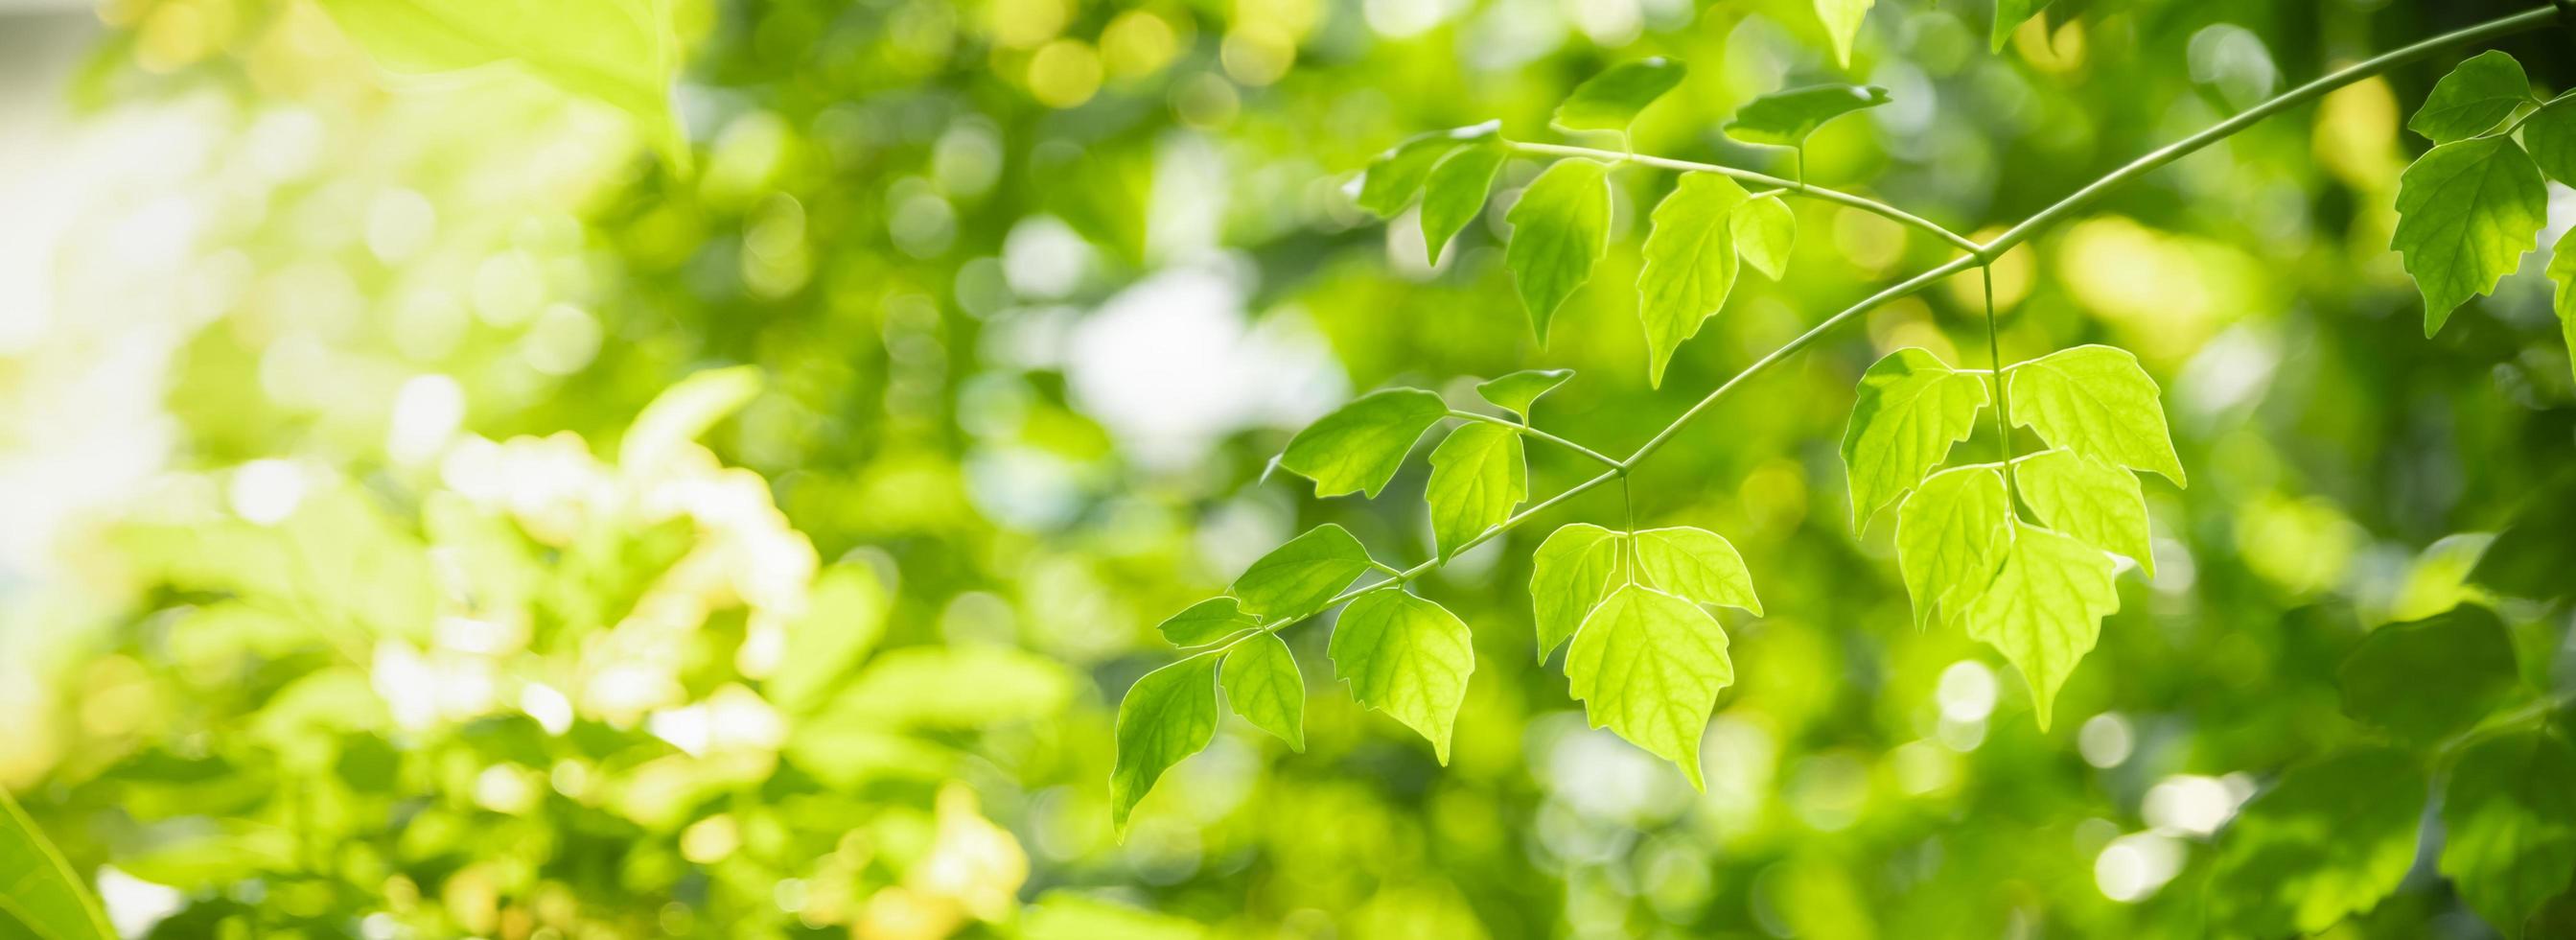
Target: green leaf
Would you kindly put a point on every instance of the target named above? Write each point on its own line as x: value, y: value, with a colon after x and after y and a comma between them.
x: 684, y: 411
x: 2330, y: 839
x: 2562, y: 277
x: 1610, y: 101
x: 2509, y: 824
x: 2045, y: 608
x: 1842, y: 25
x: 2096, y: 503
x: 1517, y: 391
x: 1208, y: 621
x: 844, y: 618
x: 2009, y: 15
x: 622, y: 53
x: 1407, y: 657
x: 2550, y: 135
x: 1358, y: 447
x: 2472, y: 99
x: 1560, y: 229
x: 1477, y: 476
x: 1696, y: 564
x: 1299, y: 578
x: 1263, y: 685
x: 1950, y: 536
x: 1785, y: 118
x: 1765, y: 230
x: 1906, y: 413
x: 1455, y: 192
x: 1167, y: 715
x: 2098, y: 402
x: 2466, y: 212
x: 1689, y: 264
x: 42, y: 895
x: 1648, y: 666
x: 1399, y: 172
x: 2431, y: 678
x: 1570, y: 573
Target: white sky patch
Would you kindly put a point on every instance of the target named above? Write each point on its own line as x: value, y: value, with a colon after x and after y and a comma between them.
x: 1171, y: 364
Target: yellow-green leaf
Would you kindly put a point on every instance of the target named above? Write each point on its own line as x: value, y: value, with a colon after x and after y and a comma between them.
x: 1571, y: 572
x: 1611, y: 100
x: 1455, y: 192
x: 1518, y: 391
x: 1765, y: 232
x: 2550, y: 136
x: 844, y: 617
x: 2098, y: 402
x: 2044, y: 608
x: 1358, y: 447
x: 1560, y: 229
x: 38, y: 891
x: 1648, y: 666
x: 2471, y: 100
x: 1299, y: 578
x: 1785, y: 118
x: 1841, y: 19
x: 2562, y: 278
x: 1407, y: 657
x: 1207, y: 622
x: 1262, y: 683
x: 1696, y: 564
x: 1167, y: 715
x: 2466, y: 212
x: 2098, y: 504
x: 2009, y: 15
x: 1909, y: 409
x: 1399, y: 172
x: 1477, y: 475
x: 1950, y: 535
x: 1689, y: 264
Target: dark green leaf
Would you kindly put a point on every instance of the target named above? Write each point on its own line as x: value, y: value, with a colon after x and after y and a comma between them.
x: 1785, y: 118
x: 2330, y: 839
x: 1610, y: 101
x: 1358, y: 447
x: 2509, y: 824
x: 1299, y: 578
x: 2472, y: 99
x: 2550, y: 135
x: 2431, y: 678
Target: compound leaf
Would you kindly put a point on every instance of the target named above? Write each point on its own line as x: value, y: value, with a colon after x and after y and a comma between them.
x: 2466, y: 212
x: 1689, y: 264
x: 2509, y: 824
x: 2098, y: 504
x: 1167, y: 715
x: 1696, y: 564
x: 2098, y: 402
x: 1785, y: 118
x: 1207, y: 622
x: 2472, y: 99
x: 2044, y: 608
x: 1571, y: 572
x: 1477, y: 475
x: 1560, y: 229
x: 1517, y: 391
x: 1407, y: 657
x: 1907, y: 412
x: 1950, y: 535
x: 1611, y: 100
x: 1300, y: 577
x: 1358, y: 447
x: 1648, y: 665
x: 1262, y: 683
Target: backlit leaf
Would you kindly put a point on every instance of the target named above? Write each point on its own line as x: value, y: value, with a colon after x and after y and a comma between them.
x: 1906, y: 413
x: 1207, y: 622
x: 1697, y: 565
x: 1358, y: 447
x: 1689, y: 264
x: 1517, y: 391
x: 2509, y: 824
x: 1648, y: 665
x: 1398, y: 173
x: 1610, y: 101
x: 2330, y: 839
x: 2098, y: 402
x: 2009, y: 15
x: 1570, y: 573
x: 1299, y: 578
x: 843, y: 620
x: 2562, y: 279
x: 39, y: 893
x: 2550, y: 136
x: 1560, y: 229
x: 1785, y: 118
x: 2044, y: 608
x: 1167, y: 715
x: 1262, y: 683
x: 2472, y: 99
x: 1842, y: 24
x: 2466, y: 212
x: 1765, y: 231
x: 1950, y: 536
x: 2430, y: 678
x: 1477, y: 476
x: 1455, y: 192
x: 2099, y: 505
x: 1407, y: 657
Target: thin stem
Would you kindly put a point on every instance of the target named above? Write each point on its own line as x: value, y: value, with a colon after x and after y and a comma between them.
x: 1864, y: 203
x: 1995, y: 358
x: 1628, y: 500
x: 1517, y: 427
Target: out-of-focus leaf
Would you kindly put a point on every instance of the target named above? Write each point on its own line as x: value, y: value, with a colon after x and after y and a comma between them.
x: 1909, y: 409
x: 1950, y: 535
x: 684, y: 411
x: 2472, y: 99
x: 953, y: 687
x: 2509, y: 824
x: 1407, y: 657
x: 1611, y: 100
x: 1785, y: 118
x: 1689, y: 266
x: 1298, y: 578
x: 1842, y: 24
x: 1560, y: 229
x: 1648, y: 666
x: 1477, y: 475
x: 38, y: 891
x: 2098, y: 402
x: 2329, y: 839
x: 1064, y: 915
x: 843, y: 620
x: 2529, y: 558
x: 2430, y: 678
x: 2466, y: 212
x: 1166, y: 716
x: 2009, y: 15
x: 1262, y: 683
x: 1358, y: 447
x: 2097, y: 504
x: 2045, y: 608
x: 1518, y: 391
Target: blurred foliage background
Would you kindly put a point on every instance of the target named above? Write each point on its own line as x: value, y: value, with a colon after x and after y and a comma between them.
x: 438, y: 506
